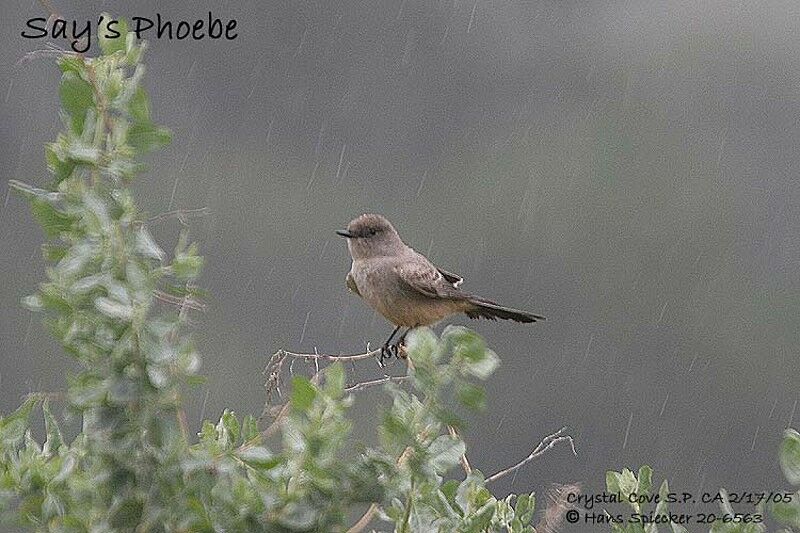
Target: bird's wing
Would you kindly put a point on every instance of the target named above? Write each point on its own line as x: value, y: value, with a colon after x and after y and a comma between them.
x: 424, y: 278
x: 454, y: 279
x: 351, y: 284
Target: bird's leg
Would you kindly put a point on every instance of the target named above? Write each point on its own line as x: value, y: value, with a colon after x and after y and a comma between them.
x: 401, y: 343
x: 386, y: 349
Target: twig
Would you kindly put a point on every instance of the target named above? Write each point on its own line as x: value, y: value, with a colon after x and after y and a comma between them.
x: 275, y: 366
x: 546, y: 443
x: 181, y: 302
x: 464, y: 461
x: 44, y: 395
x: 328, y: 357
x: 364, y: 520
x: 181, y: 214
x: 366, y: 384
x: 273, y: 427
x: 180, y: 414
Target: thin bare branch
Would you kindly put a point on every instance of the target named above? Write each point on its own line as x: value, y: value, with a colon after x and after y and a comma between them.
x: 45, y: 53
x: 546, y: 444
x: 45, y: 395
x: 181, y: 214
x: 464, y: 461
x: 364, y: 520
x: 178, y: 301
x: 274, y: 369
x: 275, y: 425
x: 366, y: 384
x: 327, y: 357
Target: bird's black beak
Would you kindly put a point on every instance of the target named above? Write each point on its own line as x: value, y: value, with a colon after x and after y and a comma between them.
x: 344, y: 233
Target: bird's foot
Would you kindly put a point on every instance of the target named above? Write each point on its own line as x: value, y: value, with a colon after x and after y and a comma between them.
x: 397, y: 350
x: 400, y: 351
x: 387, y: 351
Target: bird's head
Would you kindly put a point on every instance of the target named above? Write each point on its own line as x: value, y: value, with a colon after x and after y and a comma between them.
x: 371, y: 236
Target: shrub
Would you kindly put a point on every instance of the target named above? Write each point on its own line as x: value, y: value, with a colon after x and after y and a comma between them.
x: 118, y: 304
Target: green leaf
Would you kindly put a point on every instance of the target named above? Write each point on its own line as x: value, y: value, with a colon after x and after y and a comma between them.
x: 645, y: 480
x: 259, y: 457
x: 109, y: 45
x: 445, y: 452
x: 249, y: 429
x: 52, y: 506
x: 421, y: 344
x: 790, y: 456
x: 54, y: 437
x: 139, y: 106
x: 76, y: 99
x: 70, y: 63
x: 466, y: 343
x: 54, y: 252
x: 113, y: 308
x: 449, y: 489
x: 612, y: 481
x: 526, y: 515
x: 231, y: 426
x: 208, y: 433
x: 32, y: 302
x: 196, y: 380
x: 187, y: 265
x: 334, y: 380
x: 61, y: 169
x: 75, y: 261
x: 303, y: 394
x: 394, y: 431
x: 787, y: 513
x: 145, y: 136
x: 83, y: 153
x: 662, y: 507
x: 32, y: 192
x: 298, y: 516
x: 471, y: 396
x: 125, y: 512
x: 627, y: 482
x: 146, y: 245
x: 482, y: 518
x: 484, y: 367
x: 52, y: 221
x: 448, y: 417
x: 525, y: 503
x: 14, y: 426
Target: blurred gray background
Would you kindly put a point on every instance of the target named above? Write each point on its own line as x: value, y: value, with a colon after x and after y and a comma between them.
x: 625, y: 168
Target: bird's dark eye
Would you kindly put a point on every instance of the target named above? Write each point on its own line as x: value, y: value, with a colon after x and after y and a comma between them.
x: 373, y: 231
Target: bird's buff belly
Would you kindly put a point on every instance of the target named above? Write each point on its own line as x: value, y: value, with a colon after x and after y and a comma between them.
x: 412, y: 312
x: 397, y: 303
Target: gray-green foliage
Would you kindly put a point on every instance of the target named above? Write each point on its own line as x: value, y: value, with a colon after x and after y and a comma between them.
x: 726, y: 520
x: 781, y: 506
x: 118, y: 304
x: 627, y: 483
x: 788, y: 512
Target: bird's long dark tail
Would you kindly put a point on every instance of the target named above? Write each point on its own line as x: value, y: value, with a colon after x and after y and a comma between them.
x: 482, y: 308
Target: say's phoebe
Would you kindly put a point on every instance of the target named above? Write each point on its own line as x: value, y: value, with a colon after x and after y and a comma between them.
x: 406, y: 288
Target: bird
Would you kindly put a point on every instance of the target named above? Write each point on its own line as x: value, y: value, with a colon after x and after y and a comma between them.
x: 405, y: 287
